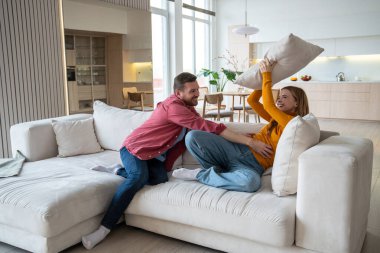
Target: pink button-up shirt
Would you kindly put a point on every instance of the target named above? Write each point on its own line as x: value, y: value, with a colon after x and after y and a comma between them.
x: 160, y: 132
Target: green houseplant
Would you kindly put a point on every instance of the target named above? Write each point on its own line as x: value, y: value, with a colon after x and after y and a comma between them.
x: 219, y: 78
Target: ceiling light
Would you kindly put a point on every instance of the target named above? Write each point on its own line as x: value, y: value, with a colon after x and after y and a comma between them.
x: 245, y: 29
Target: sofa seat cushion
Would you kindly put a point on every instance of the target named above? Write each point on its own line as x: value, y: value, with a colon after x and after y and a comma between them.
x: 52, y: 195
x: 261, y: 216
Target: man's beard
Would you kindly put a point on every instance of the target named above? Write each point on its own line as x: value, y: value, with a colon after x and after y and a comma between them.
x: 191, y: 102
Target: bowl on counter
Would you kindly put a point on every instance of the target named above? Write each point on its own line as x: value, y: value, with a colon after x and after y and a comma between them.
x: 305, y: 78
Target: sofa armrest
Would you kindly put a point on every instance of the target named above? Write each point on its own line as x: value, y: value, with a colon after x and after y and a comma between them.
x: 36, y: 139
x: 326, y: 134
x: 333, y: 198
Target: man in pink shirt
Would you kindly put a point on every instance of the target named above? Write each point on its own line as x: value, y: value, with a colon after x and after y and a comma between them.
x: 150, y: 151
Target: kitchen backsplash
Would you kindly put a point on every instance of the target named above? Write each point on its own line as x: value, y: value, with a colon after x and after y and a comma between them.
x: 144, y: 72
x: 363, y: 67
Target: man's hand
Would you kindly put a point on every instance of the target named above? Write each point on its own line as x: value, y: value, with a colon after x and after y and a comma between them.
x: 260, y: 147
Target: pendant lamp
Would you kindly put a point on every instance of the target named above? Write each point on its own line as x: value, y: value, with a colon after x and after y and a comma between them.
x: 245, y: 29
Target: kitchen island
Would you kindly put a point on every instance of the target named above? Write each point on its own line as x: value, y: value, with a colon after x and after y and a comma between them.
x: 342, y: 100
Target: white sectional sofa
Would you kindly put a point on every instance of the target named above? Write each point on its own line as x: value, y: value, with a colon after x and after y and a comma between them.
x: 54, y: 200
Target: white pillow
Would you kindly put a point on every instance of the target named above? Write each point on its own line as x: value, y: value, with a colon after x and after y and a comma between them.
x: 76, y: 137
x: 113, y: 125
x: 298, y: 135
x: 291, y: 54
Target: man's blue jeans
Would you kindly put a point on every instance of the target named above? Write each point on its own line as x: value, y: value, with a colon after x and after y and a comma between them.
x: 137, y: 173
x: 226, y: 165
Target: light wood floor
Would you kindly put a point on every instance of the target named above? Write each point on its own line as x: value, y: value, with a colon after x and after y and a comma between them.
x: 130, y: 240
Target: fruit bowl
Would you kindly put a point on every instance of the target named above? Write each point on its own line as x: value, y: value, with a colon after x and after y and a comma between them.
x: 305, y: 78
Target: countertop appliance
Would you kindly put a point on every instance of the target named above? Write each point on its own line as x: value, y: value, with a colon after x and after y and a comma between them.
x: 340, y: 77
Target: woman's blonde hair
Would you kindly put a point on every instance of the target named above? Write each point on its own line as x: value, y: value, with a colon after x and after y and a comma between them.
x: 301, y: 99
x: 302, y: 104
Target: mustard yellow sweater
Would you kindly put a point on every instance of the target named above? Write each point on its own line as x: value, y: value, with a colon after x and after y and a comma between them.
x: 269, y: 112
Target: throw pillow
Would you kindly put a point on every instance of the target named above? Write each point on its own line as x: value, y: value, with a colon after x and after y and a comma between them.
x: 76, y: 137
x: 298, y: 135
x: 291, y: 54
x: 113, y: 125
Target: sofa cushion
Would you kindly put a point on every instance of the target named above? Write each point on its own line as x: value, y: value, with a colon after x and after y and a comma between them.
x: 36, y: 139
x: 299, y: 134
x: 260, y: 216
x: 76, y: 137
x: 52, y: 195
x: 291, y: 54
x: 113, y: 125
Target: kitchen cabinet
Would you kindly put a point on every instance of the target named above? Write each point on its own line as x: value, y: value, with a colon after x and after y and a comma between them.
x: 342, y: 100
x: 87, y: 55
x: 349, y: 46
x: 139, y: 55
x: 332, y: 47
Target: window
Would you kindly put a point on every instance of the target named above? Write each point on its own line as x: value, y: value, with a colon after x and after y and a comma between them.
x: 160, y: 55
x: 196, y: 39
x: 189, y: 50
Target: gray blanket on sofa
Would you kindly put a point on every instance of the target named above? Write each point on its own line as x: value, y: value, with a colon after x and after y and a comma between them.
x: 12, y: 166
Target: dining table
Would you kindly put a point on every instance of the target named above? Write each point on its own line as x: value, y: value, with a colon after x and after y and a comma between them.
x: 240, y: 94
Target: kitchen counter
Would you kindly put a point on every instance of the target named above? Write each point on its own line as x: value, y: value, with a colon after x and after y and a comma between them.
x: 343, y: 100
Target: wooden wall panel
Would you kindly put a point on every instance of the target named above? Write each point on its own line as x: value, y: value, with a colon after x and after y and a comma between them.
x: 31, y: 69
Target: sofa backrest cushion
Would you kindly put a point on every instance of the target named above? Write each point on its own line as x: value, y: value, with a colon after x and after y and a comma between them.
x: 299, y: 134
x: 113, y: 125
x: 291, y: 54
x: 36, y: 139
x: 76, y: 137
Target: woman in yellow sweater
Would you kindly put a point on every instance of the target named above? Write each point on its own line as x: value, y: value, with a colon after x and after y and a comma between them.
x: 238, y: 167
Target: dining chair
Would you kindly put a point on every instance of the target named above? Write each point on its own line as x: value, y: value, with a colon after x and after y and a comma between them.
x: 138, y: 99
x: 239, y: 108
x: 125, y: 95
x: 134, y: 100
x: 219, y: 112
x: 275, y: 94
x: 202, y: 92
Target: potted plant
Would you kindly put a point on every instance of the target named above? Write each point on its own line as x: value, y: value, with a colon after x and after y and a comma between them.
x: 219, y: 78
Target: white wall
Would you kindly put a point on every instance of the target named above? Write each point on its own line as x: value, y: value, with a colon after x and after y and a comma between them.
x: 313, y: 19
x: 351, y: 25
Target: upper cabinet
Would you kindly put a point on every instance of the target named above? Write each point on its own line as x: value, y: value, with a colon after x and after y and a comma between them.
x: 349, y: 46
x: 332, y: 47
x: 138, y: 41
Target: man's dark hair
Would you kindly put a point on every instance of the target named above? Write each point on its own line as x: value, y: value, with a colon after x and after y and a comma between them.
x: 181, y: 79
